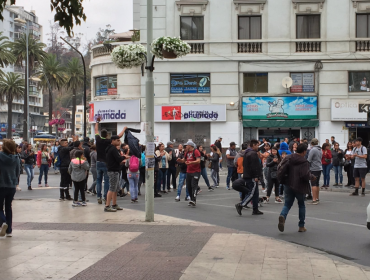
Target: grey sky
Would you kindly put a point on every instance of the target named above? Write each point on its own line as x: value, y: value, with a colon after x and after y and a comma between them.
x: 117, y: 13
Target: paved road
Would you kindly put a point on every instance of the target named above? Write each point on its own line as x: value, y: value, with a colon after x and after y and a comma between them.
x: 337, y: 225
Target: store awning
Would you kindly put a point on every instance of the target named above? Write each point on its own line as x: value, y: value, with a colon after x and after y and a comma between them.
x: 280, y: 123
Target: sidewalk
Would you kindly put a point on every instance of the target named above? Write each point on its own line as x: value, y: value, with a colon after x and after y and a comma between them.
x: 52, y: 240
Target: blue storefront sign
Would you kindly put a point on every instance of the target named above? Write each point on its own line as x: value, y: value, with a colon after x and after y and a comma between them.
x: 190, y: 83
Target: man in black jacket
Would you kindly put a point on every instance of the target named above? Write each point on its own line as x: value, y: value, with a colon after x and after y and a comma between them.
x: 114, y: 161
x: 248, y: 185
x: 86, y: 147
x: 171, y: 167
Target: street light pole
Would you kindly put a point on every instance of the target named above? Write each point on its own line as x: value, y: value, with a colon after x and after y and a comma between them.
x: 27, y: 103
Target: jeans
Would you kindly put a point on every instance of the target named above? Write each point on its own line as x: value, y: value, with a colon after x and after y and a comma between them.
x: 214, y: 176
x: 230, y: 171
x: 6, y: 197
x: 133, y: 179
x: 265, y: 178
x: 30, y: 173
x: 95, y: 175
x: 101, y: 170
x: 290, y: 196
x: 338, y: 171
x: 182, y: 180
x: 171, y: 171
x: 161, y: 178
x: 192, y: 180
x: 326, y: 173
x: 44, y: 169
x: 203, y: 172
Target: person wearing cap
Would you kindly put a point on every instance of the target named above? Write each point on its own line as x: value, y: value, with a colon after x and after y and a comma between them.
x: 192, y: 161
x: 359, y: 155
x: 314, y: 158
x: 219, y: 146
x: 172, y: 164
x: 230, y: 155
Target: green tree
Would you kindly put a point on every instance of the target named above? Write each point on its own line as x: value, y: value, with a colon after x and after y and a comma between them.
x: 52, y: 75
x: 75, y: 80
x: 6, y: 55
x: 11, y: 87
x: 35, y: 54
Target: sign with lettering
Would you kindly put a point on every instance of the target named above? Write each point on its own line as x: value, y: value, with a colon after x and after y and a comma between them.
x: 349, y: 109
x: 114, y: 111
x: 190, y: 83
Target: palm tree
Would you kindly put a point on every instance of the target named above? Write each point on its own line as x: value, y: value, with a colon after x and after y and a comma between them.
x: 75, y: 80
x: 6, y: 55
x: 11, y: 87
x: 52, y: 75
x: 35, y: 54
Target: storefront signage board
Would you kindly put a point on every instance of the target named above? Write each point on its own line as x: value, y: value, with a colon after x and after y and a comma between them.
x: 115, y: 111
x: 349, y: 109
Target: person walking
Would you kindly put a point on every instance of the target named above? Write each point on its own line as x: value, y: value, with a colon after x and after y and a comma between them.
x: 163, y: 165
x: 326, y: 164
x: 359, y: 155
x: 203, y: 168
x: 183, y: 168
x: 314, y: 158
x: 133, y: 174
x: 93, y: 158
x: 21, y: 162
x: 29, y: 164
x: 215, y: 167
x: 219, y: 146
x: 9, y: 173
x: 338, y: 156
x: 192, y: 161
x: 230, y: 155
x: 349, y: 165
x: 78, y: 169
x: 178, y: 151
x: 272, y: 163
x: 171, y: 171
x: 43, y: 159
x: 296, y: 186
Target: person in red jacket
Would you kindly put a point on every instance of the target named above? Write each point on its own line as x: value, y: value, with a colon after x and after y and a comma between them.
x: 326, y: 164
x: 43, y: 158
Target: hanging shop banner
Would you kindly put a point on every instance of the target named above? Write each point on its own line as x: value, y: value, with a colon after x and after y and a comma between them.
x: 303, y: 82
x: 279, y: 108
x: 115, y: 111
x: 190, y: 83
x: 190, y: 113
x: 106, y: 85
x: 349, y: 109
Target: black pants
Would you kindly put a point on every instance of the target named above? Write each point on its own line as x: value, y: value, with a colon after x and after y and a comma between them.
x: 79, y: 187
x: 249, y: 189
x: 6, y: 198
x: 351, y: 179
x: 155, y: 181
x: 142, y: 176
x: 171, y: 171
x: 65, y: 182
x: 271, y: 182
x: 192, y: 180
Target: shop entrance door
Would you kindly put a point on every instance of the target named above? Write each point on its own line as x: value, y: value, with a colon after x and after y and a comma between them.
x: 198, y: 132
x: 276, y: 135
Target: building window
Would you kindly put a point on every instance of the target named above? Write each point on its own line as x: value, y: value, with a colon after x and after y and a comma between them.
x: 255, y: 82
x: 190, y: 83
x: 192, y: 28
x: 358, y: 81
x: 303, y: 82
x: 362, y: 25
x: 106, y: 85
x: 11, y: 34
x: 308, y: 26
x: 78, y: 116
x: 249, y: 28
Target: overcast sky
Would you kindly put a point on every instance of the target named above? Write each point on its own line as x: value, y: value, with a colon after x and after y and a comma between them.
x: 117, y: 13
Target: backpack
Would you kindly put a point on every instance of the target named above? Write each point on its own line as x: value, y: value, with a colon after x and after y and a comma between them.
x: 142, y: 159
x: 282, y: 170
x: 57, y: 161
x: 134, y: 164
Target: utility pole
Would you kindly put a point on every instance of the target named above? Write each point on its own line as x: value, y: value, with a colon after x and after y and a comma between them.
x: 149, y: 127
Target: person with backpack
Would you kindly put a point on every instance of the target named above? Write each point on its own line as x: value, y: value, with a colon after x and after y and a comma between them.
x: 359, y: 155
x: 114, y: 161
x: 315, y: 160
x: 171, y: 171
x: 230, y: 155
x: 294, y: 172
x: 133, y: 174
x: 78, y: 169
x: 142, y: 169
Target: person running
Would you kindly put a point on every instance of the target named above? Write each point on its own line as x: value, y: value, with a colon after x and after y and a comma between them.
x: 349, y: 165
x: 133, y: 174
x: 296, y: 186
x: 92, y: 189
x: 338, y: 156
x: 29, y: 164
x: 53, y: 154
x: 114, y: 161
x: 192, y: 161
x: 314, y: 158
x: 43, y: 159
x: 142, y: 169
x: 230, y: 155
x: 203, y: 168
x: 183, y: 168
x: 359, y: 155
x: 248, y: 185
x: 171, y: 171
x: 163, y: 165
x: 9, y: 173
x: 78, y: 169
x: 102, y: 144
x: 272, y: 163
x: 215, y: 167
x: 65, y: 160
x: 326, y: 164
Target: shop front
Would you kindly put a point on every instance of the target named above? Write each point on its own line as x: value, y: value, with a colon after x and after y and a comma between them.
x: 188, y: 122
x: 279, y: 117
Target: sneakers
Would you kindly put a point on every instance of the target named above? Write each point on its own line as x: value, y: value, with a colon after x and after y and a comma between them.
x: 76, y: 204
x: 217, y: 185
x: 3, y: 229
x: 192, y: 203
x: 228, y: 188
x: 257, y: 212
x: 335, y: 185
x: 157, y: 195
x: 18, y: 189
x: 177, y: 198
x: 29, y: 188
x: 264, y: 191
x: 171, y: 187
x: 132, y: 200
x: 61, y: 199
x: 281, y: 223
x: 316, y: 202
x: 239, y: 208
x: 210, y: 189
x: 88, y: 192
x: 302, y: 229
x: 278, y: 200
x: 117, y: 207
x: 9, y: 235
x: 83, y: 203
x: 109, y: 209
x: 340, y: 184
x: 267, y: 200
x: 69, y: 198
x: 187, y: 198
x: 39, y: 185
x: 100, y: 201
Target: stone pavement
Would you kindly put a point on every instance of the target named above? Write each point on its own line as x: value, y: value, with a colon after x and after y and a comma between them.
x: 52, y: 240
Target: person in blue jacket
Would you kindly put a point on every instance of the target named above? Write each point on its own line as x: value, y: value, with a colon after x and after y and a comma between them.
x: 284, y: 148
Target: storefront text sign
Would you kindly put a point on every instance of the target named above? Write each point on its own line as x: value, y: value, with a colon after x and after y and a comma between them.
x: 349, y: 109
x: 279, y: 108
x: 115, y: 111
x: 190, y: 113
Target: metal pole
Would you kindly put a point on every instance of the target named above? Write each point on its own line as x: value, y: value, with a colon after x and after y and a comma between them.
x: 149, y: 129
x: 28, y: 86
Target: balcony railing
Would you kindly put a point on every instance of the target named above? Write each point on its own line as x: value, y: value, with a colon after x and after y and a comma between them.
x: 363, y: 46
x: 308, y: 46
x: 250, y: 47
x: 197, y: 48
x: 101, y: 51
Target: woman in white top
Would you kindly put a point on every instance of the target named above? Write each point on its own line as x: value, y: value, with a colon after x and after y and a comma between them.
x: 348, y: 165
x: 363, y: 84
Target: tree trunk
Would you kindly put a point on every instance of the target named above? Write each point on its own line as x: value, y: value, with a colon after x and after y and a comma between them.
x: 10, y: 119
x: 73, y: 112
x: 51, y: 112
x: 25, y: 105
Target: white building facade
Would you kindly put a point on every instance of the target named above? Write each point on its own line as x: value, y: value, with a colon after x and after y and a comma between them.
x: 231, y: 85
